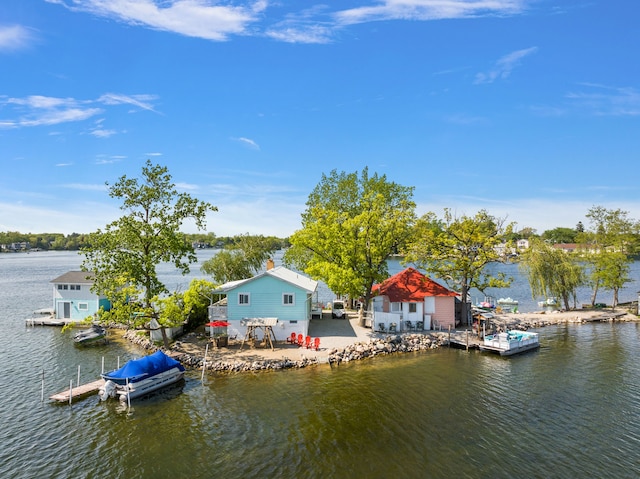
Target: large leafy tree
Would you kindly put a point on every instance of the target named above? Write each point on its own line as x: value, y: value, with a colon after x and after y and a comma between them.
x: 609, y: 247
x: 458, y: 251
x: 352, y: 224
x: 552, y: 272
x: 124, y: 255
x: 240, y: 259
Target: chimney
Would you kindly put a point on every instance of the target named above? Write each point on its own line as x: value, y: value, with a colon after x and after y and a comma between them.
x: 270, y: 264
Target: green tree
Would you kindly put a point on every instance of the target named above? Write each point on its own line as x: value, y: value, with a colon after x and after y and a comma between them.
x: 125, y: 255
x: 612, y: 243
x: 551, y: 272
x: 240, y: 259
x: 458, y: 250
x: 560, y: 235
x: 352, y: 225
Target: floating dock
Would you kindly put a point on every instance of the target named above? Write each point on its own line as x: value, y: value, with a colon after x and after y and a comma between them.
x: 79, y: 392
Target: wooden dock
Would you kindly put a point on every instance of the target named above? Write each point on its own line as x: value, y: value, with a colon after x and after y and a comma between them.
x: 78, y: 392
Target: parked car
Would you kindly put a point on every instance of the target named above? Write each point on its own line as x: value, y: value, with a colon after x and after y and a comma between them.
x: 337, y: 309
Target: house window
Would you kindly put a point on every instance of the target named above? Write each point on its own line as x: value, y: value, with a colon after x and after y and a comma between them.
x: 288, y: 299
x: 83, y: 306
x: 243, y: 299
x: 75, y: 287
x: 59, y: 286
x: 395, y: 307
x: 413, y: 307
x: 65, y: 286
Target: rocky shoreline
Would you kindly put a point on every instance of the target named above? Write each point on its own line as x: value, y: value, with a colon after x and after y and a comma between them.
x: 230, y: 362
x: 397, y: 343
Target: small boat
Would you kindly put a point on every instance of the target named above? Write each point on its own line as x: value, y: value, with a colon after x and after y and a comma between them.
x: 142, y: 376
x: 94, y: 335
x: 508, y: 304
x: 549, y: 304
x: 510, y: 343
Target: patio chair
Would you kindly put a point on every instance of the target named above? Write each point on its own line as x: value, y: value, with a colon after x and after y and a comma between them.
x: 382, y: 328
x: 316, y: 343
x: 409, y: 325
x: 300, y: 340
x: 420, y: 326
x: 292, y: 339
x: 392, y: 327
x: 307, y: 342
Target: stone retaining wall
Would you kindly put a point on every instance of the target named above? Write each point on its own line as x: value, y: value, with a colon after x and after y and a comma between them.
x: 404, y: 343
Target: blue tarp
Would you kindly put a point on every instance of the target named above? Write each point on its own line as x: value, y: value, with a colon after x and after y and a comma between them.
x: 137, y: 369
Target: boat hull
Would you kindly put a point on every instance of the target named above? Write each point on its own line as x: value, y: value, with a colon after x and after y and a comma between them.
x: 510, y: 343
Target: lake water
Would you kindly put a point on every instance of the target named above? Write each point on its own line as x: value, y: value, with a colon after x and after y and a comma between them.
x: 571, y: 409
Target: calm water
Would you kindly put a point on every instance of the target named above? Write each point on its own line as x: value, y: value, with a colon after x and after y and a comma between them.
x: 571, y: 409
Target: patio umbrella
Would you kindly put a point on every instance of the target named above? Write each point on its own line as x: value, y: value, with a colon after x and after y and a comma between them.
x: 218, y: 325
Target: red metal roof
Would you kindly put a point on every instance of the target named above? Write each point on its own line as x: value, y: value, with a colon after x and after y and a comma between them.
x: 410, y: 285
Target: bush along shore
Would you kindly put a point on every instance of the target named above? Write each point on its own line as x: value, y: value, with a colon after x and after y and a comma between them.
x: 400, y: 343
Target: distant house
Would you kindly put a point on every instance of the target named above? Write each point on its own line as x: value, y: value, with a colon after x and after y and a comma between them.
x: 278, y: 293
x: 412, y: 297
x: 73, y: 299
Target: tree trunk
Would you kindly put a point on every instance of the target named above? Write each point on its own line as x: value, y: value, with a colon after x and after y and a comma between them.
x: 594, y: 293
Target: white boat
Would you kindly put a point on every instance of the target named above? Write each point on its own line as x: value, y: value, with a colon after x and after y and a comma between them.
x: 510, y: 342
x: 549, y: 303
x: 139, y: 377
x: 507, y: 302
x: 94, y: 335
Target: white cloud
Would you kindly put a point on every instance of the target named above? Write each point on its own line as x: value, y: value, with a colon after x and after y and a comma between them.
x: 40, y: 110
x: 504, y: 66
x: 609, y: 101
x: 212, y: 20
x: 193, y: 18
x: 14, y: 37
x: 247, y: 142
x: 428, y: 10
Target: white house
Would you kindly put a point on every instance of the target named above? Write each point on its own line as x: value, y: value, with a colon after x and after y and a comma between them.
x: 410, y: 300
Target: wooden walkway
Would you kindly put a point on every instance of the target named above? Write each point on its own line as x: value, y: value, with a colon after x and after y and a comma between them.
x: 79, y: 392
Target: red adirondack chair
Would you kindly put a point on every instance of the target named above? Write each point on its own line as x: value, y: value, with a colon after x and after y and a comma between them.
x: 300, y: 340
x: 316, y: 343
x: 292, y: 339
x: 307, y: 342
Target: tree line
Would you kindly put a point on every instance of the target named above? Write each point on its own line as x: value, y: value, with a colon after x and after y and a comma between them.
x: 353, y: 223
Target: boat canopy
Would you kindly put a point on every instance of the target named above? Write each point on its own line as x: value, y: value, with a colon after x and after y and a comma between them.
x: 137, y: 369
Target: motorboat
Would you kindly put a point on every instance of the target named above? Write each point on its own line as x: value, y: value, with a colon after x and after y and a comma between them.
x: 142, y: 376
x: 549, y: 304
x: 510, y: 342
x: 94, y: 335
x: 509, y: 303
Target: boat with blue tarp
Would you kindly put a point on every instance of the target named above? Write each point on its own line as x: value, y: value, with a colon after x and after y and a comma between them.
x: 142, y: 376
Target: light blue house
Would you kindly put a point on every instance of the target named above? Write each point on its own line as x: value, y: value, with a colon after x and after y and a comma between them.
x: 278, y: 293
x: 72, y: 297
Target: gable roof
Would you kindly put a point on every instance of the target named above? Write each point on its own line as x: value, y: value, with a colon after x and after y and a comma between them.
x: 77, y: 277
x: 279, y: 272
x: 410, y: 285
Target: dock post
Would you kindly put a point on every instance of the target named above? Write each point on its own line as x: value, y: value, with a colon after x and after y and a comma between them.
x: 42, y: 388
x: 70, y: 391
x: 449, y: 334
x: 102, y: 372
x: 467, y: 340
x: 78, y: 381
x: 204, y: 362
x: 128, y: 396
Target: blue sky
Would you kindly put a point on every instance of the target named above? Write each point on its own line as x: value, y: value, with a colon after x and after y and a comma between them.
x: 529, y: 109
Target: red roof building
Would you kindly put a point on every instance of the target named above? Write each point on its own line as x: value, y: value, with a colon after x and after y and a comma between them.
x: 410, y: 297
